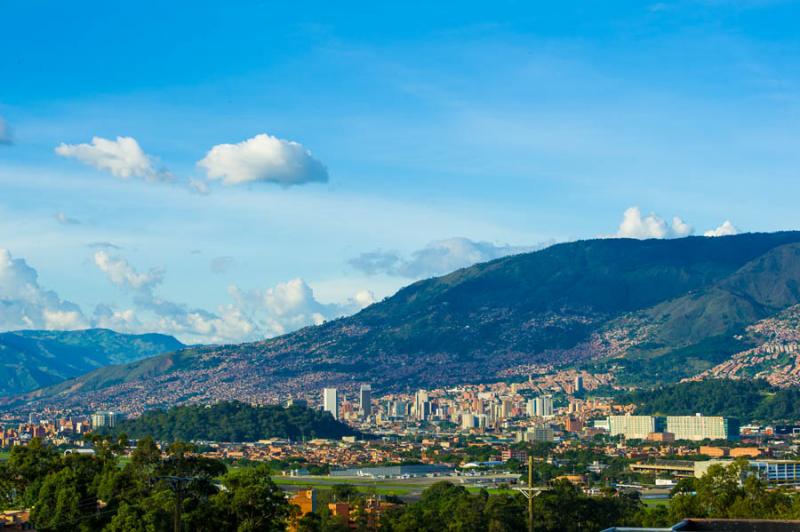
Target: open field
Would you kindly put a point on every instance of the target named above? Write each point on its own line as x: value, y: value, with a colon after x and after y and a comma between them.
x: 651, y: 503
x: 402, y: 487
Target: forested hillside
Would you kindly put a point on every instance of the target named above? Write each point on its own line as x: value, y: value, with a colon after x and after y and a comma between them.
x: 32, y: 359
x: 747, y: 400
x: 234, y: 421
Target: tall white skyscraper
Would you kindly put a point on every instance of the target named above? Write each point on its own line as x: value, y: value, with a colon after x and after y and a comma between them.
x: 538, y: 406
x: 330, y: 402
x: 547, y: 406
x: 104, y: 419
x: 421, y: 405
x: 543, y: 406
x: 365, y: 400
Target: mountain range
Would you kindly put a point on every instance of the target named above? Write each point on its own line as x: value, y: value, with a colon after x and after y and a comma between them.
x: 649, y: 311
x: 33, y: 359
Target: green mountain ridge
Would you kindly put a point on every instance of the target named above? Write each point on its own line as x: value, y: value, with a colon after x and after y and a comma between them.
x: 32, y: 359
x: 706, y: 324
x: 689, y: 298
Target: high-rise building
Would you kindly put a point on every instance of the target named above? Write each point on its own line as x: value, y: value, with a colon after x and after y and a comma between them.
x: 578, y: 384
x: 536, y: 433
x: 422, y: 408
x: 104, y: 419
x: 330, y: 402
x: 695, y: 427
x: 398, y: 409
x: 543, y: 406
x: 365, y: 400
x: 699, y: 427
x: 468, y: 421
x: 634, y: 427
x: 547, y: 406
x: 530, y: 407
x: 573, y: 425
x: 506, y: 408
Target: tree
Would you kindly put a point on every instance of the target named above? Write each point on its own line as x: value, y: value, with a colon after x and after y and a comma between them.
x: 27, y: 467
x: 129, y: 518
x: 343, y: 492
x: 252, y: 501
x: 506, y: 513
x: 60, y: 505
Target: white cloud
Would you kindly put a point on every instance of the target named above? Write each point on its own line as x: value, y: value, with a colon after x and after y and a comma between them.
x: 121, y: 273
x: 680, y: 228
x: 363, y: 299
x: 107, y: 317
x: 123, y: 158
x: 63, y: 219
x: 436, y: 258
x: 103, y: 245
x: 24, y: 304
x: 726, y: 229
x: 254, y: 314
x: 5, y: 133
x: 634, y: 225
x: 292, y: 305
x: 198, y: 187
x: 263, y: 158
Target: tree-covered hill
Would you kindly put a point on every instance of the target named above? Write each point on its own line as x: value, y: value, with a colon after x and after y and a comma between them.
x: 746, y: 400
x: 32, y: 359
x: 234, y: 422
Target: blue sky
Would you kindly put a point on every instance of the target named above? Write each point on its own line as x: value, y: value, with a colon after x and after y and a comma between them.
x: 419, y: 137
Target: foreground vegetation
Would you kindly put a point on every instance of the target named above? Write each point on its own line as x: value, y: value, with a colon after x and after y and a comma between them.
x: 150, y: 491
x: 84, y: 492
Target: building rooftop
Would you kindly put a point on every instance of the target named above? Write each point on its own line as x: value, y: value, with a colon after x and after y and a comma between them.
x: 720, y: 525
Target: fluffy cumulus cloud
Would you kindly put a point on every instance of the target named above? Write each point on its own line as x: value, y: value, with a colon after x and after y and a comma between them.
x: 121, y: 273
x: 5, y: 133
x: 253, y: 314
x: 249, y: 315
x: 635, y: 225
x: 292, y: 305
x: 726, y: 229
x: 24, y: 304
x: 436, y: 258
x: 123, y: 158
x: 263, y: 158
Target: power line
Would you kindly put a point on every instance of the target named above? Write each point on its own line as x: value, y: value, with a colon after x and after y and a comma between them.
x: 530, y: 492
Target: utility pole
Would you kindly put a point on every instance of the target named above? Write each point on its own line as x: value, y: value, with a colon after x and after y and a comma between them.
x: 530, y: 499
x: 178, y: 526
x: 530, y: 492
x: 178, y: 485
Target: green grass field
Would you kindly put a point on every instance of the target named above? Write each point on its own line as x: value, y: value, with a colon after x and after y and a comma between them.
x: 381, y: 488
x: 378, y: 486
x: 651, y: 503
